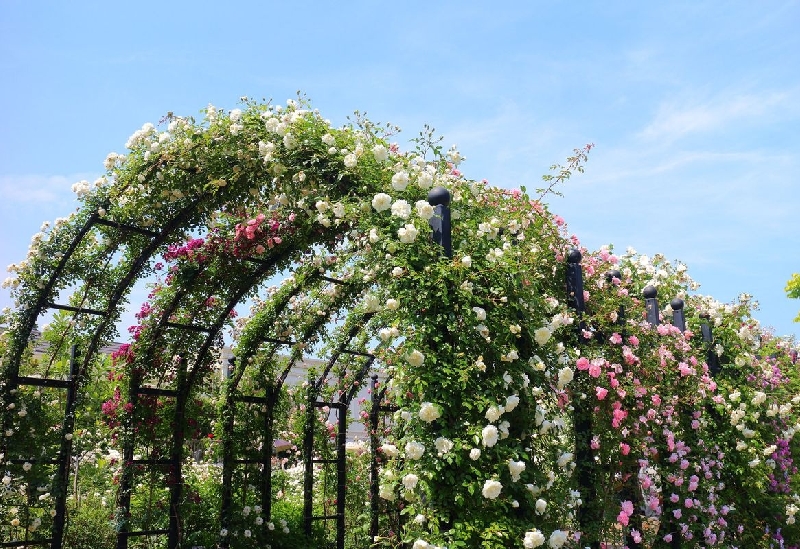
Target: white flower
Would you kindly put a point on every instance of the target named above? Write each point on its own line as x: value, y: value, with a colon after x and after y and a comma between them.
x: 381, y: 202
x: 420, y: 519
x: 557, y: 539
x: 489, y: 436
x: 425, y: 180
x: 392, y: 304
x: 410, y: 481
x: 6, y: 480
x: 424, y: 209
x: 338, y: 210
x: 414, y: 450
x: 381, y: 153
x: 428, y: 411
x: 350, y: 160
x: 421, y: 544
x: 401, y: 209
x: 390, y: 450
x: 397, y: 272
x: 27, y: 466
x: 542, y: 335
x: 328, y: 139
x: 515, y: 468
x: 223, y: 532
x: 400, y: 181
x: 385, y: 492
x: 81, y: 188
x: 533, y: 539
x: 407, y: 234
x: 541, y: 506
x: 235, y: 115
x: 415, y: 359
x: 480, y: 313
x: 474, y: 454
x: 511, y: 402
x: 565, y: 375
x: 466, y: 261
x: 564, y: 459
x: 491, y: 489
x: 247, y: 533
x: 374, y: 236
x: 758, y: 398
x: 494, y: 413
x: 443, y: 445
x: 503, y: 427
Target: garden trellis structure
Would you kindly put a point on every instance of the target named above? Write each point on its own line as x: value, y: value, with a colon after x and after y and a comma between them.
x: 371, y: 279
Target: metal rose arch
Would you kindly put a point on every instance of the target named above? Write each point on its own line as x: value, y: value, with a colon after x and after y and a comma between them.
x: 517, y: 390
x: 213, y: 212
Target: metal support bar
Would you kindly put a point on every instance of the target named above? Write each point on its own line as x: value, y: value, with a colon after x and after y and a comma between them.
x: 61, y: 480
x: 76, y: 309
x: 124, y: 227
x: 156, y: 391
x: 651, y: 305
x: 341, y: 475
x: 575, y: 282
x: 439, y: 198
x: 176, y: 474
x: 712, y: 360
x: 678, y: 316
x: 189, y: 327
x: 44, y: 382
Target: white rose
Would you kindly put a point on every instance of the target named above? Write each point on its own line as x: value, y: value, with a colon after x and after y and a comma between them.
x: 443, y: 445
x: 389, y: 450
x: 511, y: 402
x: 328, y: 139
x: 480, y: 313
x: 533, y: 539
x: 494, y: 413
x: 421, y: 544
x: 415, y: 358
x: 565, y: 375
x: 414, y: 450
x: 466, y: 261
x: 407, y: 234
x: 515, y: 468
x: 392, y: 304
x: 541, y: 506
x: 401, y: 209
x: 429, y: 412
x: 410, y: 481
x: 380, y: 153
x: 400, y: 181
x: 557, y: 539
x: 424, y: 209
x: 490, y: 435
x: 386, y: 492
x: 350, y: 160
x: 474, y: 454
x: 381, y: 202
x: 491, y: 489
x: 542, y: 335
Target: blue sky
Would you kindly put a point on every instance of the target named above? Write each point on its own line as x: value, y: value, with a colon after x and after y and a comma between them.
x: 694, y: 107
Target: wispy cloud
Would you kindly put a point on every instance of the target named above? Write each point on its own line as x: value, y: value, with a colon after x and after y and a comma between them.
x: 36, y: 188
x: 675, y: 119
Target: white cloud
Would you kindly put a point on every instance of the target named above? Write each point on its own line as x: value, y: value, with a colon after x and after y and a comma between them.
x: 675, y: 120
x: 37, y: 188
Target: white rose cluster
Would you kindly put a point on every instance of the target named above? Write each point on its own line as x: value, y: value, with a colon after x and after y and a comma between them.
x: 429, y: 412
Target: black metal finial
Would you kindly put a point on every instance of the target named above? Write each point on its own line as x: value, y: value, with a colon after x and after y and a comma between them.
x: 439, y: 196
x: 651, y: 304
x: 678, y: 316
x: 574, y: 256
x: 612, y: 274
